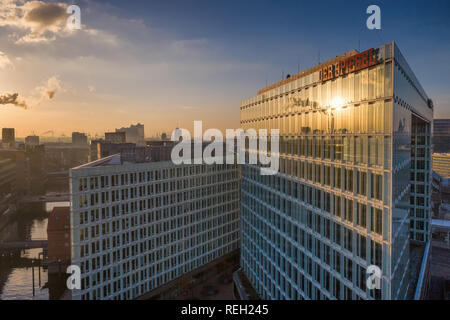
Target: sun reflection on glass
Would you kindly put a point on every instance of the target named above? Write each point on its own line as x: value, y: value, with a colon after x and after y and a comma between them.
x: 337, y: 103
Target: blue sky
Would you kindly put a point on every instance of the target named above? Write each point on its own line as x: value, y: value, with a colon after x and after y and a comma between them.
x: 280, y: 34
x: 167, y: 63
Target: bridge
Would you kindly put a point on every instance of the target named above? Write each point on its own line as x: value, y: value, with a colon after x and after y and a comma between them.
x: 63, y: 197
x: 27, y: 244
x: 20, y: 262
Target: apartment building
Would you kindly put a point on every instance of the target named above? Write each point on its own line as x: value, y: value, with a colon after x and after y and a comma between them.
x: 138, y: 226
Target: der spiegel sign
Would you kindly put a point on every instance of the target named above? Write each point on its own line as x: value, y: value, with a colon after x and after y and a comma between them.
x: 354, y: 63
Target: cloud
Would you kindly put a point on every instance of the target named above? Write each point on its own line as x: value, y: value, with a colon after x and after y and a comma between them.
x: 189, y: 45
x: 13, y: 99
x: 38, y: 21
x: 39, y: 95
x: 4, y: 61
x: 48, y: 91
x: 47, y: 16
x: 188, y: 108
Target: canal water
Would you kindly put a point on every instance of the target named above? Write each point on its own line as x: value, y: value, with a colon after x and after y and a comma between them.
x: 16, y: 280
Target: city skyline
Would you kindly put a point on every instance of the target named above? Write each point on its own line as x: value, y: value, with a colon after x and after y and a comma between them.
x: 146, y: 63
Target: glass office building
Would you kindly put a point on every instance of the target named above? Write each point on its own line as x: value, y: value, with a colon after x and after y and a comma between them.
x: 353, y: 187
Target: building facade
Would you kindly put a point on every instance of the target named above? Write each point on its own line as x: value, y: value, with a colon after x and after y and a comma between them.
x: 19, y: 157
x: 441, y: 164
x: 134, y: 134
x: 37, y: 168
x: 136, y: 227
x: 58, y: 235
x: 115, y: 137
x: 8, y: 137
x: 353, y: 184
x: 7, y: 195
x: 79, y: 139
x: 441, y: 135
x: 63, y: 156
x: 129, y: 152
x: 32, y: 141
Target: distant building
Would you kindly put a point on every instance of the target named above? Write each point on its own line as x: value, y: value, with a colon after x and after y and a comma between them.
x: 37, y: 168
x: 134, y: 134
x: 441, y: 234
x: 441, y: 135
x: 440, y: 197
x: 7, y: 194
x: 441, y: 164
x: 115, y: 137
x: 60, y: 157
x: 160, y: 150
x: 129, y: 151
x: 32, y: 141
x: 8, y: 138
x: 19, y: 157
x: 79, y: 139
x: 7, y: 178
x: 58, y: 234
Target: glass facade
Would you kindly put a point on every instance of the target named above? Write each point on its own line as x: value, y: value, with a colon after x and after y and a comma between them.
x: 341, y: 199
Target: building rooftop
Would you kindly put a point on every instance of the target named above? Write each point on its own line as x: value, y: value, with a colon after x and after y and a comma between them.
x: 112, y: 160
x: 308, y: 71
x: 440, y: 223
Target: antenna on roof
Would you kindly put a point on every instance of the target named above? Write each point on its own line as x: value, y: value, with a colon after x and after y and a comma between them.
x: 319, y: 56
x: 282, y: 74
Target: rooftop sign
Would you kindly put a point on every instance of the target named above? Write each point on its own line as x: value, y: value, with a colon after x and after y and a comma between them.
x: 352, y: 64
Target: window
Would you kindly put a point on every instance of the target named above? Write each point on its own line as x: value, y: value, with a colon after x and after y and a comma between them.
x: 377, y: 220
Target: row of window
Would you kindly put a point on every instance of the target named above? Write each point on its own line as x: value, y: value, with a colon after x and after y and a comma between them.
x: 180, y: 190
x: 105, y: 284
x: 368, y: 84
x: 132, y: 178
x: 286, y: 256
x: 365, y: 118
x: 317, y: 177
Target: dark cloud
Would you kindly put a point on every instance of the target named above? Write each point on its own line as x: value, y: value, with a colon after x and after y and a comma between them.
x: 47, y: 14
x: 13, y: 98
x: 39, y: 95
x: 51, y: 93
